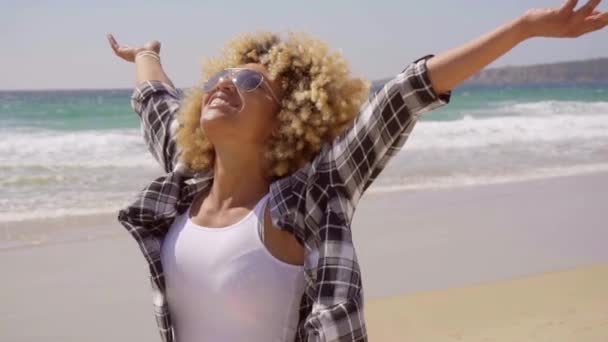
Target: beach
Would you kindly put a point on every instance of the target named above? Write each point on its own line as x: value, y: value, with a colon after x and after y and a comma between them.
x: 562, y: 306
x: 483, y: 219
x: 520, y: 261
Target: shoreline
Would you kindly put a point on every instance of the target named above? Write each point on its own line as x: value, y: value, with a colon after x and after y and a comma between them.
x: 35, y: 232
x: 380, y: 187
x: 57, y: 230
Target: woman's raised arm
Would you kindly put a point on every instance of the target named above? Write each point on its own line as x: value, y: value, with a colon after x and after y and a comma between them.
x: 352, y: 162
x: 449, y: 69
x: 154, y: 99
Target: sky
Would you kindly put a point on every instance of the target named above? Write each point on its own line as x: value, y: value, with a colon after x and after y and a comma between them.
x: 59, y: 44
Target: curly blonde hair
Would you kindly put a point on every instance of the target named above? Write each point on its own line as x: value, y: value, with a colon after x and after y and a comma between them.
x: 320, y: 99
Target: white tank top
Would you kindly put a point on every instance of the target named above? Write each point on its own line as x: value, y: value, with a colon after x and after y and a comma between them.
x: 224, y: 285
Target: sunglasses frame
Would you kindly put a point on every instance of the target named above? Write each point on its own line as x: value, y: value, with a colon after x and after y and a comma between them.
x: 232, y: 74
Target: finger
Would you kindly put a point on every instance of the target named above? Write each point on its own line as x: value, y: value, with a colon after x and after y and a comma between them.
x: 569, y: 6
x: 598, y: 16
x: 113, y: 42
x: 596, y: 22
x: 588, y: 8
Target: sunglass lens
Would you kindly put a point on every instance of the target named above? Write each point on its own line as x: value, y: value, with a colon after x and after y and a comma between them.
x: 212, y: 82
x: 248, y: 80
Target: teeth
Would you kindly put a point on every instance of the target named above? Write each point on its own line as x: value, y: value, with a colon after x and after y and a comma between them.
x: 219, y: 101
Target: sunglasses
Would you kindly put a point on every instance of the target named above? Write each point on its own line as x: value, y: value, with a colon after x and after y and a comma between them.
x: 246, y: 80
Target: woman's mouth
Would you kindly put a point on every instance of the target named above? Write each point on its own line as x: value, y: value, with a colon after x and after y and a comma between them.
x: 219, y: 102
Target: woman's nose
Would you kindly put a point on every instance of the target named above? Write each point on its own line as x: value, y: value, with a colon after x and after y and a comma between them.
x: 226, y: 83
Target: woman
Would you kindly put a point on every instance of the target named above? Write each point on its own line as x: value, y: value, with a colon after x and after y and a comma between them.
x: 248, y: 236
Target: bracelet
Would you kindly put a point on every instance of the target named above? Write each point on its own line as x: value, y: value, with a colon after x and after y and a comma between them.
x: 149, y: 54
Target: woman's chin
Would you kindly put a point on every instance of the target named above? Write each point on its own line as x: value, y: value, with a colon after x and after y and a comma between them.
x: 214, y: 113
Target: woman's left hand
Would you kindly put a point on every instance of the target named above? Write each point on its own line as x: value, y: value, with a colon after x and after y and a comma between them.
x: 565, y: 21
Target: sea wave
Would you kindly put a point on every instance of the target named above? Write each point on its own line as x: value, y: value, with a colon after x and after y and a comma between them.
x: 473, y: 132
x: 85, y: 172
x: 83, y: 149
x: 547, y: 108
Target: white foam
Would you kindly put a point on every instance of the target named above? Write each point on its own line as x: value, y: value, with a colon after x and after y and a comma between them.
x: 453, y: 181
x: 470, y: 132
x: 549, y: 107
x: 513, y: 142
x: 55, y: 213
x: 83, y: 149
x: 467, y: 180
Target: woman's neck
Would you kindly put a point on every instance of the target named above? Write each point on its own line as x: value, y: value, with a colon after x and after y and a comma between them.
x: 237, y: 180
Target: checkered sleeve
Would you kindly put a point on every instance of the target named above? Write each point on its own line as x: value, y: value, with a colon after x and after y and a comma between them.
x: 355, y: 158
x: 156, y: 103
x: 337, y: 313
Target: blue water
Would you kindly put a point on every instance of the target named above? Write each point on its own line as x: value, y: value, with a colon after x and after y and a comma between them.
x: 77, y: 152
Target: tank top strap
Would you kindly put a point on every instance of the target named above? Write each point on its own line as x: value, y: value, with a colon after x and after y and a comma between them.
x: 260, y: 212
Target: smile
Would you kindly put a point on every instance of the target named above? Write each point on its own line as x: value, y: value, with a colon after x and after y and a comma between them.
x: 219, y: 102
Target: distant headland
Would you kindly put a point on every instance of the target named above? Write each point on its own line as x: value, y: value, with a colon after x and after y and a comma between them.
x: 591, y: 71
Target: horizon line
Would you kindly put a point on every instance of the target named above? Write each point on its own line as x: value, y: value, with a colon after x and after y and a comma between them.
x: 371, y: 81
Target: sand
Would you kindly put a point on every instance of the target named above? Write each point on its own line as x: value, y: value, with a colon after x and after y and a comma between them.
x: 568, y: 306
x: 512, y: 262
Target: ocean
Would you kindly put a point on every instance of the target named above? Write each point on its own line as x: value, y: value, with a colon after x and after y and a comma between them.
x: 80, y: 152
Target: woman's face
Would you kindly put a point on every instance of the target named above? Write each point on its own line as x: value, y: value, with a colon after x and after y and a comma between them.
x: 242, y: 116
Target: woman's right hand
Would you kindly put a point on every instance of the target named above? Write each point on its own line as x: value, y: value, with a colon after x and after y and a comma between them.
x: 128, y: 53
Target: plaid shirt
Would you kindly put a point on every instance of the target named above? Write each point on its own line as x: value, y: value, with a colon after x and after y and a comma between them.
x: 316, y: 203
